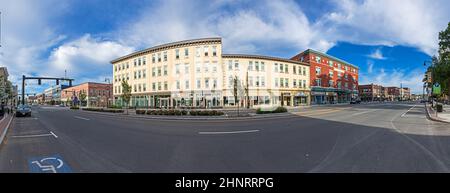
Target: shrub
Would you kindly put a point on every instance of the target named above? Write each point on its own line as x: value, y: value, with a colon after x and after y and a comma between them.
x: 140, y: 112
x: 75, y: 107
x: 193, y: 113
x: 183, y: 112
x: 277, y: 110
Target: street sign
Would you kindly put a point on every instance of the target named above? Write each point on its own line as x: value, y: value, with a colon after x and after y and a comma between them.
x: 437, y: 89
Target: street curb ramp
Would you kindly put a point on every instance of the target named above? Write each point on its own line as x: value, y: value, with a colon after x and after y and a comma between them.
x: 431, y: 117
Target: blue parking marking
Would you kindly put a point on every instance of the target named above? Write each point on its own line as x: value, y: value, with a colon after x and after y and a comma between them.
x: 48, y: 164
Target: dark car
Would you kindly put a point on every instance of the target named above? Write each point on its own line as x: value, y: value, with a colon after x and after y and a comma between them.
x: 23, y: 110
x: 355, y: 102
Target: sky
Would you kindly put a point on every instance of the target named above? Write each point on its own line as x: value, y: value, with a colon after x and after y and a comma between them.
x: 388, y: 39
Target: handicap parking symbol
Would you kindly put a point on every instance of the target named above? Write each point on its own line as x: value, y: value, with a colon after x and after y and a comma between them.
x: 48, y: 164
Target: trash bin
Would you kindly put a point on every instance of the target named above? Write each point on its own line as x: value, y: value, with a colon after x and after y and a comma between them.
x: 439, y: 107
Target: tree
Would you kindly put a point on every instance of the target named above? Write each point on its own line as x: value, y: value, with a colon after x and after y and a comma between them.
x: 126, y: 93
x: 246, y: 92
x: 235, y: 92
x: 82, y: 96
x: 441, y: 69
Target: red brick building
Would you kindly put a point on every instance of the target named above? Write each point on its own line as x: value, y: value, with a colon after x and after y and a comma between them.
x: 393, y: 93
x: 371, y: 92
x: 97, y: 94
x: 332, y: 80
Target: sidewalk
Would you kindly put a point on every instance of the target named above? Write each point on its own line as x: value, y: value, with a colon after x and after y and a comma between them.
x: 4, y: 126
x: 441, y: 117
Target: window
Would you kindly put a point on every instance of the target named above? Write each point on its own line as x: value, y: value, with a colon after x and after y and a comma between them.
x: 177, y: 68
x: 263, y: 67
x: 153, y: 72
x: 317, y: 59
x: 215, y: 83
x: 250, y: 65
x: 330, y: 83
x: 159, y: 71
x: 304, y: 71
x: 205, y: 49
x: 214, y: 68
x: 159, y: 85
x: 144, y: 60
x: 339, y: 84
x: 165, y: 56
x: 331, y: 73
x: 281, y: 82
x: 206, y: 82
x: 230, y: 81
x: 186, y: 84
x: 139, y: 74
x: 144, y: 73
x: 186, y: 68
x: 153, y: 86
x: 330, y: 63
x: 197, y: 51
x: 317, y: 70
x: 115, y: 68
x: 286, y: 69
x: 281, y: 68
x: 294, y: 83
x: 257, y: 81
x: 166, y: 86
x: 165, y: 70
x: 230, y: 65
x: 339, y: 75
x: 135, y: 62
x: 286, y: 83
x: 304, y: 83
x: 346, y: 85
x: 177, y: 54
x: 159, y: 57
x: 153, y: 58
x: 128, y: 66
x: 294, y: 69
x: 135, y: 88
x: 214, y: 50
x: 140, y: 88
x: 339, y: 66
x: 276, y: 82
x: 346, y: 76
x: 318, y: 82
x: 198, y: 83
x: 206, y: 67
x: 263, y: 81
x: 276, y: 67
x: 144, y: 87
x: 178, y: 85
x: 139, y: 61
x: 128, y: 77
x: 300, y: 83
x: 198, y: 67
x: 135, y: 75
x: 186, y: 52
x: 256, y: 65
x: 236, y: 65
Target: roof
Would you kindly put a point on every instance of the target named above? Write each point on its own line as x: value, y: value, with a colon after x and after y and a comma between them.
x: 331, y: 57
x: 263, y: 57
x: 168, y: 45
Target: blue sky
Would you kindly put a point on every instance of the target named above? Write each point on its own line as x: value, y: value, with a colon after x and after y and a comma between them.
x: 387, y: 39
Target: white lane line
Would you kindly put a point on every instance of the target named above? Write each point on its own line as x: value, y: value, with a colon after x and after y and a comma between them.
x: 408, y: 111
x: 82, y: 118
x: 364, y: 112
x: 226, y: 132
x: 51, y: 132
x: 28, y: 136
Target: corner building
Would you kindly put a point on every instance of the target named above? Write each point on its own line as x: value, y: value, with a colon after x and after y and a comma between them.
x: 195, y: 73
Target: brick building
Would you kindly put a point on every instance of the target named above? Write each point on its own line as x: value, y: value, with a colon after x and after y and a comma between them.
x: 371, y: 92
x: 97, y: 94
x: 332, y: 80
x: 393, y: 93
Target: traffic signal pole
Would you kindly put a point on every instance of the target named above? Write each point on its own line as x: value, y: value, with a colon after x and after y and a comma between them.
x: 39, y: 81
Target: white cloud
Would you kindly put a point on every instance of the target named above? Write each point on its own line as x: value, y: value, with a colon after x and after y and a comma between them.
x: 86, y: 53
x: 377, y: 54
x: 370, y: 64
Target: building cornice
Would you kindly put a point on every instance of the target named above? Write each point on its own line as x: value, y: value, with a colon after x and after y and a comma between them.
x: 168, y: 46
x: 331, y: 57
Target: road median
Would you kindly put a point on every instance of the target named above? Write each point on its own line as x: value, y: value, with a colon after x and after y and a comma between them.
x: 431, y: 115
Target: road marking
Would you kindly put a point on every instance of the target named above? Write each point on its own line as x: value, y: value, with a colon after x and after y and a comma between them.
x: 29, y: 136
x: 408, y: 111
x: 82, y: 118
x: 51, y: 132
x: 52, y: 164
x: 364, y: 112
x: 226, y: 132
x: 321, y: 113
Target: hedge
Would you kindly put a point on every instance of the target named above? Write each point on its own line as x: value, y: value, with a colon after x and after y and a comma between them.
x: 277, y: 110
x: 103, y: 110
x: 74, y: 107
x: 173, y: 112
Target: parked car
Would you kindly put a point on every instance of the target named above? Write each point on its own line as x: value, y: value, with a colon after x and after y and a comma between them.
x: 355, y: 102
x: 23, y: 110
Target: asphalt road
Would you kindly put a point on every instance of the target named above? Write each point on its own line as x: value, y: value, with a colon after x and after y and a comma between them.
x: 350, y: 138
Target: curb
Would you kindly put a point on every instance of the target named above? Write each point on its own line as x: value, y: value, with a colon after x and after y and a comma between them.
x: 3, y: 135
x: 431, y: 118
x: 194, y: 118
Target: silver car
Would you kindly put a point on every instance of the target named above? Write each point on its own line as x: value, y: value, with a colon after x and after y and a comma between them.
x: 23, y: 110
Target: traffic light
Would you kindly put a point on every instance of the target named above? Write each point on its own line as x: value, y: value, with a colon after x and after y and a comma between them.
x: 39, y: 81
x: 57, y: 81
x: 70, y: 83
